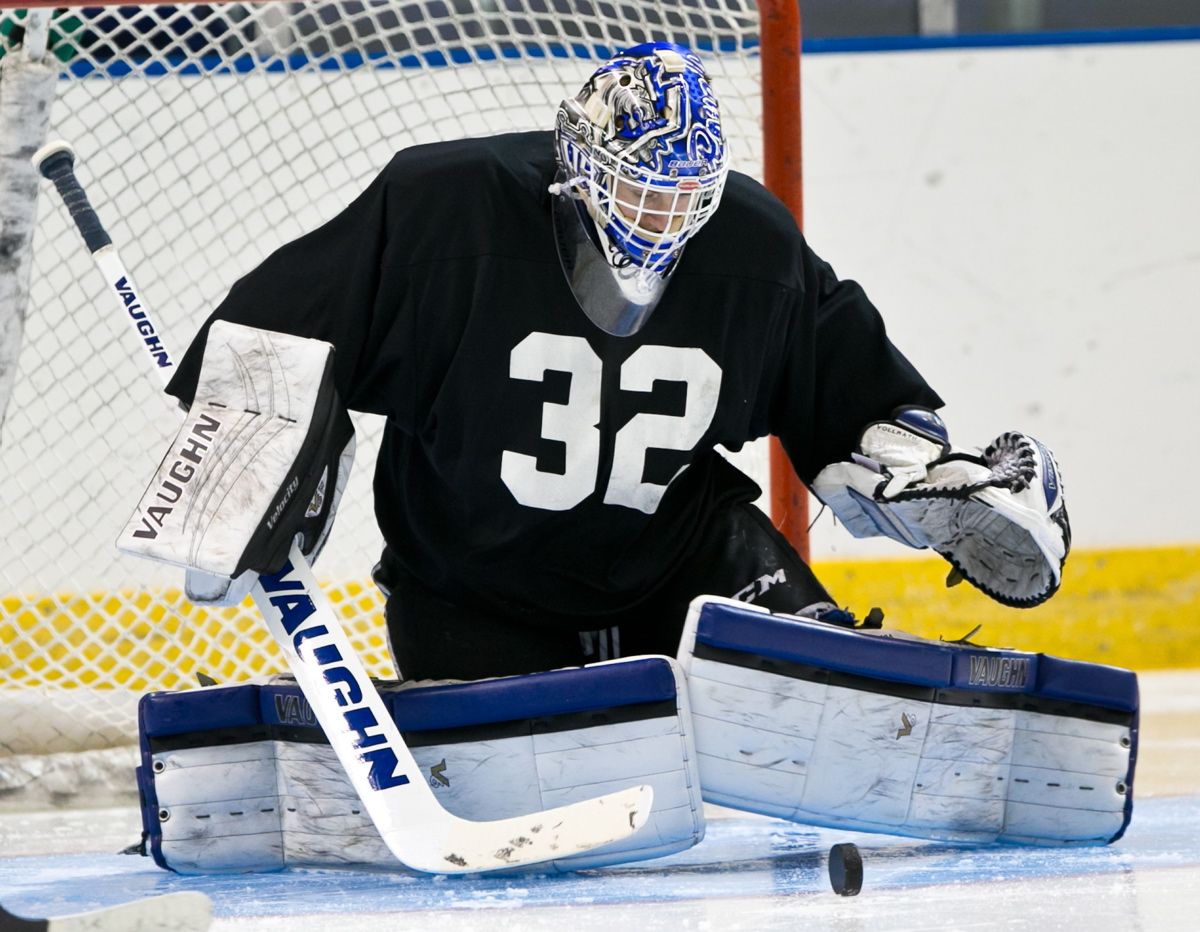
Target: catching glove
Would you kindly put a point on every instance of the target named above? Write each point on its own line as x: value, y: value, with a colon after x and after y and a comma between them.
x: 998, y: 516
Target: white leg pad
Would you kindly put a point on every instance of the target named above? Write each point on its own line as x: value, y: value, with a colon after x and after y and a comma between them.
x: 849, y: 728
x: 238, y: 778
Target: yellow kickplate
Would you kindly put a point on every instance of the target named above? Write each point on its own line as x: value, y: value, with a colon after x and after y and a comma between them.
x: 1136, y: 607
x: 1133, y: 608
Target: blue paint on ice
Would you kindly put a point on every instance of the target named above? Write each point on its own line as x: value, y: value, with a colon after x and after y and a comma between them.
x: 741, y: 857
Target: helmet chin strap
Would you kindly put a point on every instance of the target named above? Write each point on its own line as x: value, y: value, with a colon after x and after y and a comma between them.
x: 571, y: 187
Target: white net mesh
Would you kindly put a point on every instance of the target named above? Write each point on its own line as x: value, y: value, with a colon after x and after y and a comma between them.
x: 207, y: 136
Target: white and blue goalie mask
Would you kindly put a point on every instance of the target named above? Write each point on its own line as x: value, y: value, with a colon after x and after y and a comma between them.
x: 642, y: 163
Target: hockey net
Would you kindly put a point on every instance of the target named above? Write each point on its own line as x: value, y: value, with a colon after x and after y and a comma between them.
x: 208, y: 135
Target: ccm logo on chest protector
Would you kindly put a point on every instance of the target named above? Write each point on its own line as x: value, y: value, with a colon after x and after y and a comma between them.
x: 186, y: 465
x: 295, y: 608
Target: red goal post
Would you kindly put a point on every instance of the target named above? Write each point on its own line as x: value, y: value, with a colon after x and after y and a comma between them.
x: 209, y: 134
x: 784, y: 176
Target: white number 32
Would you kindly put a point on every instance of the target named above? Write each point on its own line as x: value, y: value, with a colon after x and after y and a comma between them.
x: 576, y: 423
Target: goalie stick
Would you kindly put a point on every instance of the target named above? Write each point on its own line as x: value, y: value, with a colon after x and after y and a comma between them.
x: 414, y: 826
x: 171, y: 912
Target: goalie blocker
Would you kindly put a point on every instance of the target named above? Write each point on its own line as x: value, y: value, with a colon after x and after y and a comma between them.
x: 263, y: 455
x: 858, y: 729
x: 240, y: 778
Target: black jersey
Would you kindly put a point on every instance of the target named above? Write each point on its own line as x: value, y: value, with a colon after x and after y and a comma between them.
x: 531, y: 461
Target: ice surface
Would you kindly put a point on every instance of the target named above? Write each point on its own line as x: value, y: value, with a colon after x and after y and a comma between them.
x: 750, y: 873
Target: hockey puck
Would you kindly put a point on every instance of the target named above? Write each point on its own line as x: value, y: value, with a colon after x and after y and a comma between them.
x: 845, y: 869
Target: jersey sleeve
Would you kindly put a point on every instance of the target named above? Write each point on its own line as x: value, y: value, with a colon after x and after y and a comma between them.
x: 839, y: 371
x: 338, y: 283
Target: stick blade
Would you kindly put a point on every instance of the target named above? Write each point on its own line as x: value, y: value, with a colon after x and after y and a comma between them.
x: 171, y: 912
x: 468, y: 847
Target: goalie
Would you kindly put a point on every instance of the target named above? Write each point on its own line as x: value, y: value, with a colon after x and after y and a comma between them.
x: 560, y: 329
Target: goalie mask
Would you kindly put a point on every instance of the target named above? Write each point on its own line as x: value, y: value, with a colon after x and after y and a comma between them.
x: 642, y: 162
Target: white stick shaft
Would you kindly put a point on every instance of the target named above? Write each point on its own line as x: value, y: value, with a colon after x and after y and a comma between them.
x: 129, y: 300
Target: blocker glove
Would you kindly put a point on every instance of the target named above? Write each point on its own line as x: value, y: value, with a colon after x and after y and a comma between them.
x: 262, y: 457
x: 998, y: 516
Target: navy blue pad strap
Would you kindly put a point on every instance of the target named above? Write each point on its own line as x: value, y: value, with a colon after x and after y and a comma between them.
x: 556, y: 692
x: 921, y: 663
